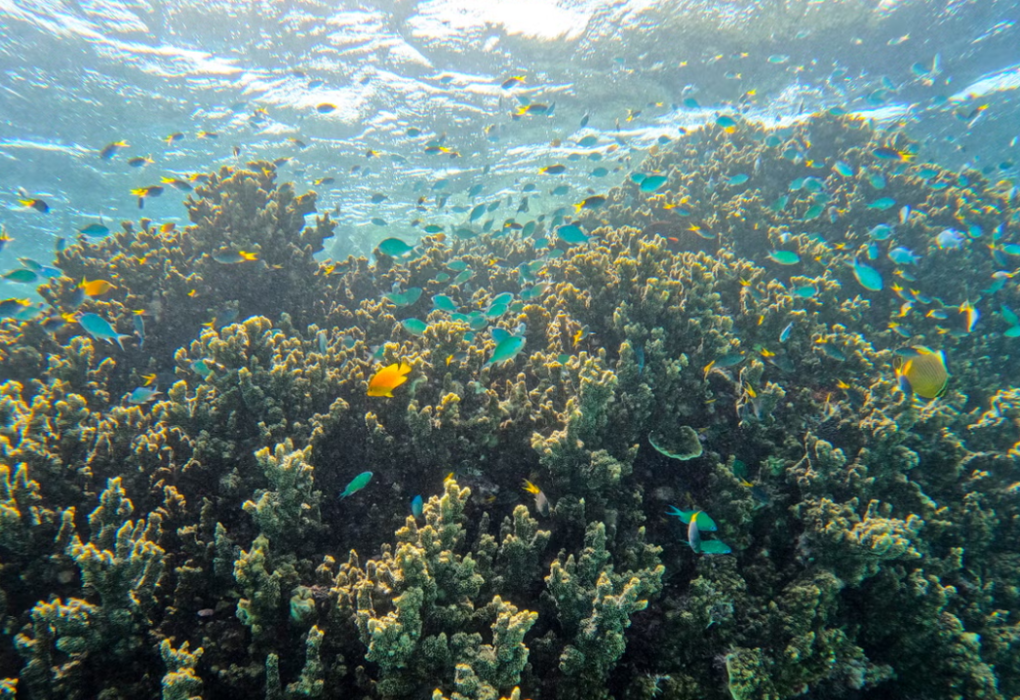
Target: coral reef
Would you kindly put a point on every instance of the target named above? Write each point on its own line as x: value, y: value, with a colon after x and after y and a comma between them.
x: 193, y: 543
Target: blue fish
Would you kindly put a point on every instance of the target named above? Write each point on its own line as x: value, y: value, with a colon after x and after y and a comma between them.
x: 94, y: 229
x: 142, y: 394
x: 572, y: 233
x: 785, y: 334
x: 417, y: 505
x: 903, y: 256
x: 100, y: 329
x: 869, y: 277
x: 881, y: 232
x: 139, y: 322
x: 949, y: 239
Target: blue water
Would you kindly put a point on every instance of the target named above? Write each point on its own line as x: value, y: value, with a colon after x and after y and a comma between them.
x: 79, y: 75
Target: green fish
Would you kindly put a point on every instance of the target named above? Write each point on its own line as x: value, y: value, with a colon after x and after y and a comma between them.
x: 651, y: 183
x: 394, y: 247
x: 506, y: 349
x: 533, y: 292
x: 414, y: 326
x: 201, y: 368
x: 444, y: 303
x: 94, y: 229
x: 100, y: 329
x: 495, y: 311
x: 784, y: 257
x: 22, y: 276
x: 843, y: 169
x: 357, y: 483
x: 572, y: 234
x: 405, y: 298
x: 814, y: 212
x: 869, y: 277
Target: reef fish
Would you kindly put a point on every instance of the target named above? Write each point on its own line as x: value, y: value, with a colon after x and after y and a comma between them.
x: 869, y: 277
x: 950, y: 239
x: 405, y: 298
x: 843, y: 169
x: 394, y: 247
x: 142, y: 394
x: 99, y: 328
x: 94, y: 229
x: 887, y: 153
x: 698, y: 521
x: 541, y: 501
x: 96, y: 288
x: 233, y: 257
x: 414, y: 326
x: 922, y: 372
x: 506, y: 349
x: 572, y: 233
x: 784, y: 257
x: 650, y: 183
x: 417, y: 505
x: 357, y: 483
x: 903, y: 256
x: 387, y: 379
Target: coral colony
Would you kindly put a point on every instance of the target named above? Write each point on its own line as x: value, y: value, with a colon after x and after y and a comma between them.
x: 763, y: 448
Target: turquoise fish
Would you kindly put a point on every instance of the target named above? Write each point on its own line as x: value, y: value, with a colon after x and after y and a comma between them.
x: 100, y: 329
x: 868, y: 276
x: 506, y: 349
x: 357, y: 483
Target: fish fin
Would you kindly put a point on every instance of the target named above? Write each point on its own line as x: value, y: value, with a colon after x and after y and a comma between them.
x: 905, y: 385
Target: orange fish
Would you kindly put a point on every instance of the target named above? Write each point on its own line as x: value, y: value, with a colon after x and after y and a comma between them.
x: 387, y: 379
x: 96, y: 288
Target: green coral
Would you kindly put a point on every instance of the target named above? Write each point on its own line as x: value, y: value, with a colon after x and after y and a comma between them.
x: 290, y: 509
x: 311, y: 682
x: 180, y: 682
x: 594, y: 606
x: 260, y: 608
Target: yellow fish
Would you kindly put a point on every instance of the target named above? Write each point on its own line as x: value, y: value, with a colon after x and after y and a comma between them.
x: 923, y: 372
x: 149, y: 379
x: 387, y: 379
x: 96, y: 288
x: 541, y: 502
